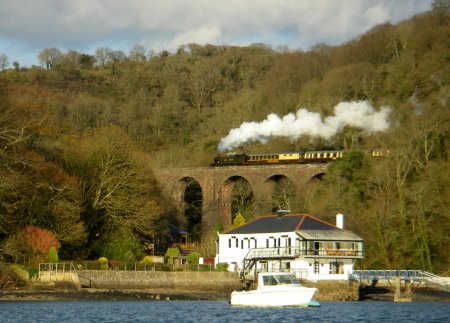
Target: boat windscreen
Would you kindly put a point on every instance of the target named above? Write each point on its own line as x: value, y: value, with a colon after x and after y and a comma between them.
x: 286, y: 279
x: 269, y: 281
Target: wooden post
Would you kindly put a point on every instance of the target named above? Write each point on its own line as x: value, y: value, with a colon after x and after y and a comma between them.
x: 408, y: 290
x: 398, y: 296
x: 397, y: 289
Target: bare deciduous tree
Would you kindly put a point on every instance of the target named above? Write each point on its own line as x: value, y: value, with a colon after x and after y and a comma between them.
x: 49, y: 57
x: 3, y: 61
x: 103, y: 54
x: 137, y: 53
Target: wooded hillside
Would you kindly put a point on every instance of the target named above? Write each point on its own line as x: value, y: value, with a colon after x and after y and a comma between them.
x: 80, y: 136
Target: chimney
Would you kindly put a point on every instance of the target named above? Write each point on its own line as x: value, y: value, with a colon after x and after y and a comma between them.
x: 282, y: 213
x: 340, y: 221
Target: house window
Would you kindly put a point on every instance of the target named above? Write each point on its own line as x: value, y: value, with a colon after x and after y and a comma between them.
x: 274, y: 240
x: 316, y: 247
x: 254, y: 242
x: 267, y: 243
x: 229, y: 243
x: 316, y: 267
x: 337, y: 267
x: 245, y: 243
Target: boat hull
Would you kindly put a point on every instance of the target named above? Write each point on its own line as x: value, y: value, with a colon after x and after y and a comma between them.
x: 294, y: 296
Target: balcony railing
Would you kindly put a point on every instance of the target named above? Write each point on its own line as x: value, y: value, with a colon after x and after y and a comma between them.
x: 185, y: 245
x: 293, y: 252
x: 334, y: 252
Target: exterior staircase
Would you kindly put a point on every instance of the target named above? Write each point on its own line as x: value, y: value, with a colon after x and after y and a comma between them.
x: 52, y: 273
x: 256, y: 254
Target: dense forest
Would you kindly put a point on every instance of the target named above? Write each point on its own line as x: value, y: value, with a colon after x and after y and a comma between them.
x: 81, y: 134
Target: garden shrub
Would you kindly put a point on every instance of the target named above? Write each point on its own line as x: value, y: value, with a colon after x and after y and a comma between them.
x: 193, y: 258
x: 148, y: 260
x: 103, y: 261
x: 172, y: 253
x: 222, y: 266
x: 205, y: 267
x: 33, y: 272
x: 12, y: 276
x: 53, y: 255
x: 22, y: 273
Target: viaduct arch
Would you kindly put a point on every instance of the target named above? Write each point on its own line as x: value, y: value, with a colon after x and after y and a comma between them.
x: 216, y: 184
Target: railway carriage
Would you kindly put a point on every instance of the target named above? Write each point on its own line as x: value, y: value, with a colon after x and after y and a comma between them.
x: 304, y: 157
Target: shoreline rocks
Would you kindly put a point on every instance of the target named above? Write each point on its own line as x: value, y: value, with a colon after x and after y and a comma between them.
x: 420, y: 294
x: 424, y: 294
x: 104, y: 294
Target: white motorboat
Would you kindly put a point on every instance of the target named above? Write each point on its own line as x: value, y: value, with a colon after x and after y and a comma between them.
x: 274, y: 289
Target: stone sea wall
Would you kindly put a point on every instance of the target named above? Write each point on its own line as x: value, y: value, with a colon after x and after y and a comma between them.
x: 335, y: 290
x: 224, y: 282
x: 214, y: 282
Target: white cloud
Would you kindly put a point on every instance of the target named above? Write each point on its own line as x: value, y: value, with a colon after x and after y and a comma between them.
x: 85, y: 24
x: 377, y: 14
x: 202, y: 35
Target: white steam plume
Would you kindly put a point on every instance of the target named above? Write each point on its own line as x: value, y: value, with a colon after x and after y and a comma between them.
x: 359, y: 114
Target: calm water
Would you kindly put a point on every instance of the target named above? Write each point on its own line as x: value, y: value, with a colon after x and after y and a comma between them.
x: 218, y: 311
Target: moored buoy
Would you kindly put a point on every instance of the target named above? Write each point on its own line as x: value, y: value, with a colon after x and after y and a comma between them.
x: 314, y: 304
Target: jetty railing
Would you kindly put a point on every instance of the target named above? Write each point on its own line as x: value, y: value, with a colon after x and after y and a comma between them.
x: 139, y: 266
x: 406, y: 275
x: 54, y: 273
x: 415, y: 275
x: 66, y: 267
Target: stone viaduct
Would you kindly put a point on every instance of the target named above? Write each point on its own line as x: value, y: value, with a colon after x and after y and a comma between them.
x: 216, y: 185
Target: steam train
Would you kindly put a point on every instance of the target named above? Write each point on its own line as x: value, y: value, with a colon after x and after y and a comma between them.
x: 303, y: 157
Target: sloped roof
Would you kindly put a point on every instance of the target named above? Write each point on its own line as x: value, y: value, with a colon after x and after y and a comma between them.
x: 174, y: 230
x: 287, y: 223
x: 332, y: 235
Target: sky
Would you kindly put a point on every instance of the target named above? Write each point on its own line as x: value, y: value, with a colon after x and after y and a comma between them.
x: 28, y: 26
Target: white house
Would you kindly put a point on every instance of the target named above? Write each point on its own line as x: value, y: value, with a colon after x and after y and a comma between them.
x: 299, y: 243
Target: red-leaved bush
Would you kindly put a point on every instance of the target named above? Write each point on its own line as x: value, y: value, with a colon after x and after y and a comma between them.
x: 30, y: 245
x: 40, y: 241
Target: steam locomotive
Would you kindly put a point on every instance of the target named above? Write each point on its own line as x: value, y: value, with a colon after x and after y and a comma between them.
x: 303, y: 157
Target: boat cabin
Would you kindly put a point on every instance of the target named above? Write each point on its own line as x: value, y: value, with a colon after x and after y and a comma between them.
x: 273, y: 279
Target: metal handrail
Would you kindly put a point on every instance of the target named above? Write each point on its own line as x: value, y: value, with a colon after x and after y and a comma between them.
x: 56, y: 267
x: 411, y: 275
x: 272, y: 252
x: 277, y: 252
x: 389, y: 274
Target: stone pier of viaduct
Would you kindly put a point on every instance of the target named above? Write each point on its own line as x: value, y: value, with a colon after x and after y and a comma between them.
x: 216, y: 185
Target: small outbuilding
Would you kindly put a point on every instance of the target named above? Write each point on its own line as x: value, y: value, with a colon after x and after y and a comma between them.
x: 173, y: 237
